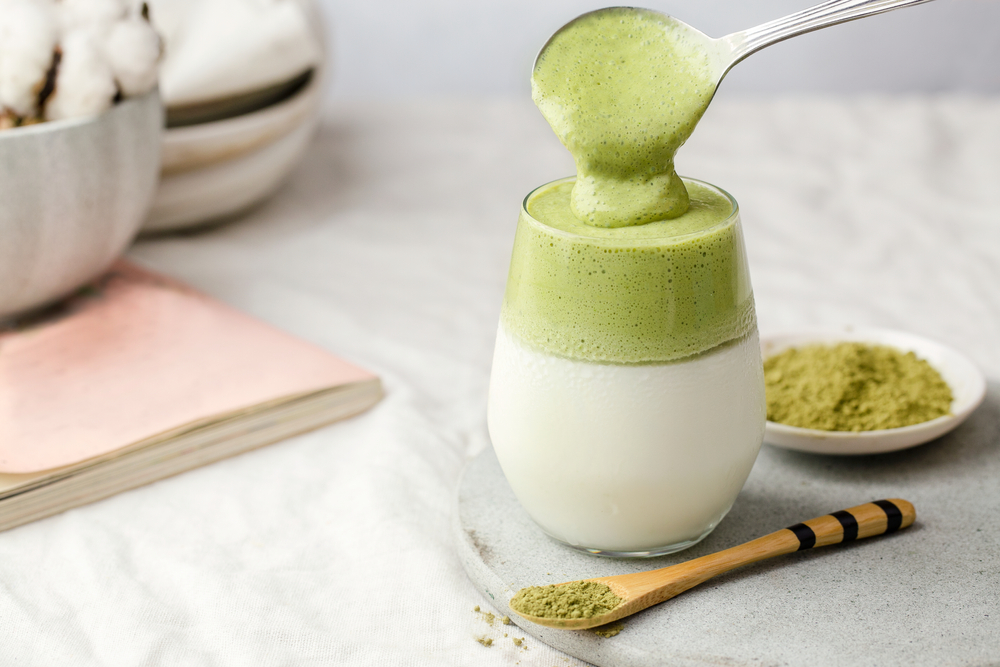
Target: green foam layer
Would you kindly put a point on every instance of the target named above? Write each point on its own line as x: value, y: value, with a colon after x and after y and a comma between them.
x: 644, y: 294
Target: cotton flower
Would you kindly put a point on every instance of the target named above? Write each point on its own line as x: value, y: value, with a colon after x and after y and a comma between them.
x: 132, y: 49
x: 72, y: 57
x: 85, y: 84
x: 27, y: 40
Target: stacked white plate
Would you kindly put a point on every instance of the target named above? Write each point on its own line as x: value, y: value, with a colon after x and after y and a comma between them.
x: 239, y: 117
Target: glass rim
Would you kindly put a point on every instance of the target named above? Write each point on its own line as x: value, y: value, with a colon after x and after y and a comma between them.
x: 734, y: 216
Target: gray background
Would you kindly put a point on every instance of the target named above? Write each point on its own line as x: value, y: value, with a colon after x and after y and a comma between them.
x: 393, y: 48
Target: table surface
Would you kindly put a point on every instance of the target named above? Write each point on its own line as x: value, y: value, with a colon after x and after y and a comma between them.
x: 926, y: 595
x: 389, y: 246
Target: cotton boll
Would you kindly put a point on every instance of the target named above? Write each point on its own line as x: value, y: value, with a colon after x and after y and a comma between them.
x: 27, y: 41
x: 132, y: 49
x: 85, y: 84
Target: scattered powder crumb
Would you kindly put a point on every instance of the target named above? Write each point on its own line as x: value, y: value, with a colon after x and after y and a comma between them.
x: 491, y: 620
x: 488, y: 617
x: 609, y: 630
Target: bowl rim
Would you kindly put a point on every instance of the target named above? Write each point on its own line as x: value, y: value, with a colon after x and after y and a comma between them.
x: 304, y: 96
x: 950, y: 363
x: 67, y: 123
x: 192, y: 147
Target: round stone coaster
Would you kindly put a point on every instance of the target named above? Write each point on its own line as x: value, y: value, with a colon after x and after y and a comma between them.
x: 929, y: 594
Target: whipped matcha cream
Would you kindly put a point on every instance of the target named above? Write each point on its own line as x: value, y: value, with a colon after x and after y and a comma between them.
x: 644, y: 294
x: 626, y: 263
x: 623, y: 88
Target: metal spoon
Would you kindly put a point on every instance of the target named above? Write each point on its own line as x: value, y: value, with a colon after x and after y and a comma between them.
x: 731, y: 49
x: 641, y: 590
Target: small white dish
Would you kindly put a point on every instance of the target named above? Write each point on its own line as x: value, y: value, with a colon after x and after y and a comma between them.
x: 191, y: 147
x: 216, y: 170
x: 967, y: 384
x: 213, y: 171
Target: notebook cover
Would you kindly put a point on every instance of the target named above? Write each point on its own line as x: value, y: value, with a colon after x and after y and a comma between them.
x: 139, y: 354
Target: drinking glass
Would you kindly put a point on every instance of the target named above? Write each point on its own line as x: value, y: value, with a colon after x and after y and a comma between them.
x: 626, y: 401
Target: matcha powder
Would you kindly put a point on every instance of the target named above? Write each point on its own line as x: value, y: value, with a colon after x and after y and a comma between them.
x: 578, y: 599
x: 853, y: 387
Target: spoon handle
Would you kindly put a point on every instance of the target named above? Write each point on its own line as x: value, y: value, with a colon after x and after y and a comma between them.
x: 832, y: 12
x: 644, y: 589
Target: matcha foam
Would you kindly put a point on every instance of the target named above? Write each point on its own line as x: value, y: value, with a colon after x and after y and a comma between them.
x: 623, y: 89
x: 644, y: 294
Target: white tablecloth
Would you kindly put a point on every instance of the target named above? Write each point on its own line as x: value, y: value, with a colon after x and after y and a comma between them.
x: 389, y: 246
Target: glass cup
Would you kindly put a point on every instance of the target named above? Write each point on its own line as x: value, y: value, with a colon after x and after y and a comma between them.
x: 626, y: 401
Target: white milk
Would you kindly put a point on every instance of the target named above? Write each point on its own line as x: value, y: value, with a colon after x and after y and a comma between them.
x: 627, y: 459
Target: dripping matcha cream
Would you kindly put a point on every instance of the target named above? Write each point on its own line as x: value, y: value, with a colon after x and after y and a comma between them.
x: 626, y: 400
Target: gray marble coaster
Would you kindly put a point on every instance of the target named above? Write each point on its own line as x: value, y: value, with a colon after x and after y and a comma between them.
x: 927, y: 595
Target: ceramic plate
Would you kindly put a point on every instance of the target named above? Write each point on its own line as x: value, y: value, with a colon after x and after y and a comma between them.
x: 967, y: 384
x: 215, y: 170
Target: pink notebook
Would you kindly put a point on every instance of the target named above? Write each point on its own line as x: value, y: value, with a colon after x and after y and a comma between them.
x: 139, y: 377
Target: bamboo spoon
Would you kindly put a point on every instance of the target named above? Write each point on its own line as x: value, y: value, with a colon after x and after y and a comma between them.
x: 728, y: 50
x: 645, y: 589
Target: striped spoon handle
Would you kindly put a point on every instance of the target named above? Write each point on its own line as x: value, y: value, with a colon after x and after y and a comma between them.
x: 876, y: 518
x: 644, y: 589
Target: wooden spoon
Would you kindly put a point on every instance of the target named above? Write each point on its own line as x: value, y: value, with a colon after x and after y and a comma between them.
x: 644, y: 589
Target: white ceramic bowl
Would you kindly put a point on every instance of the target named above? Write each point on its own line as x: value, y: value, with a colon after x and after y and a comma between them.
x: 73, y: 194
x: 216, y: 170
x: 967, y: 384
